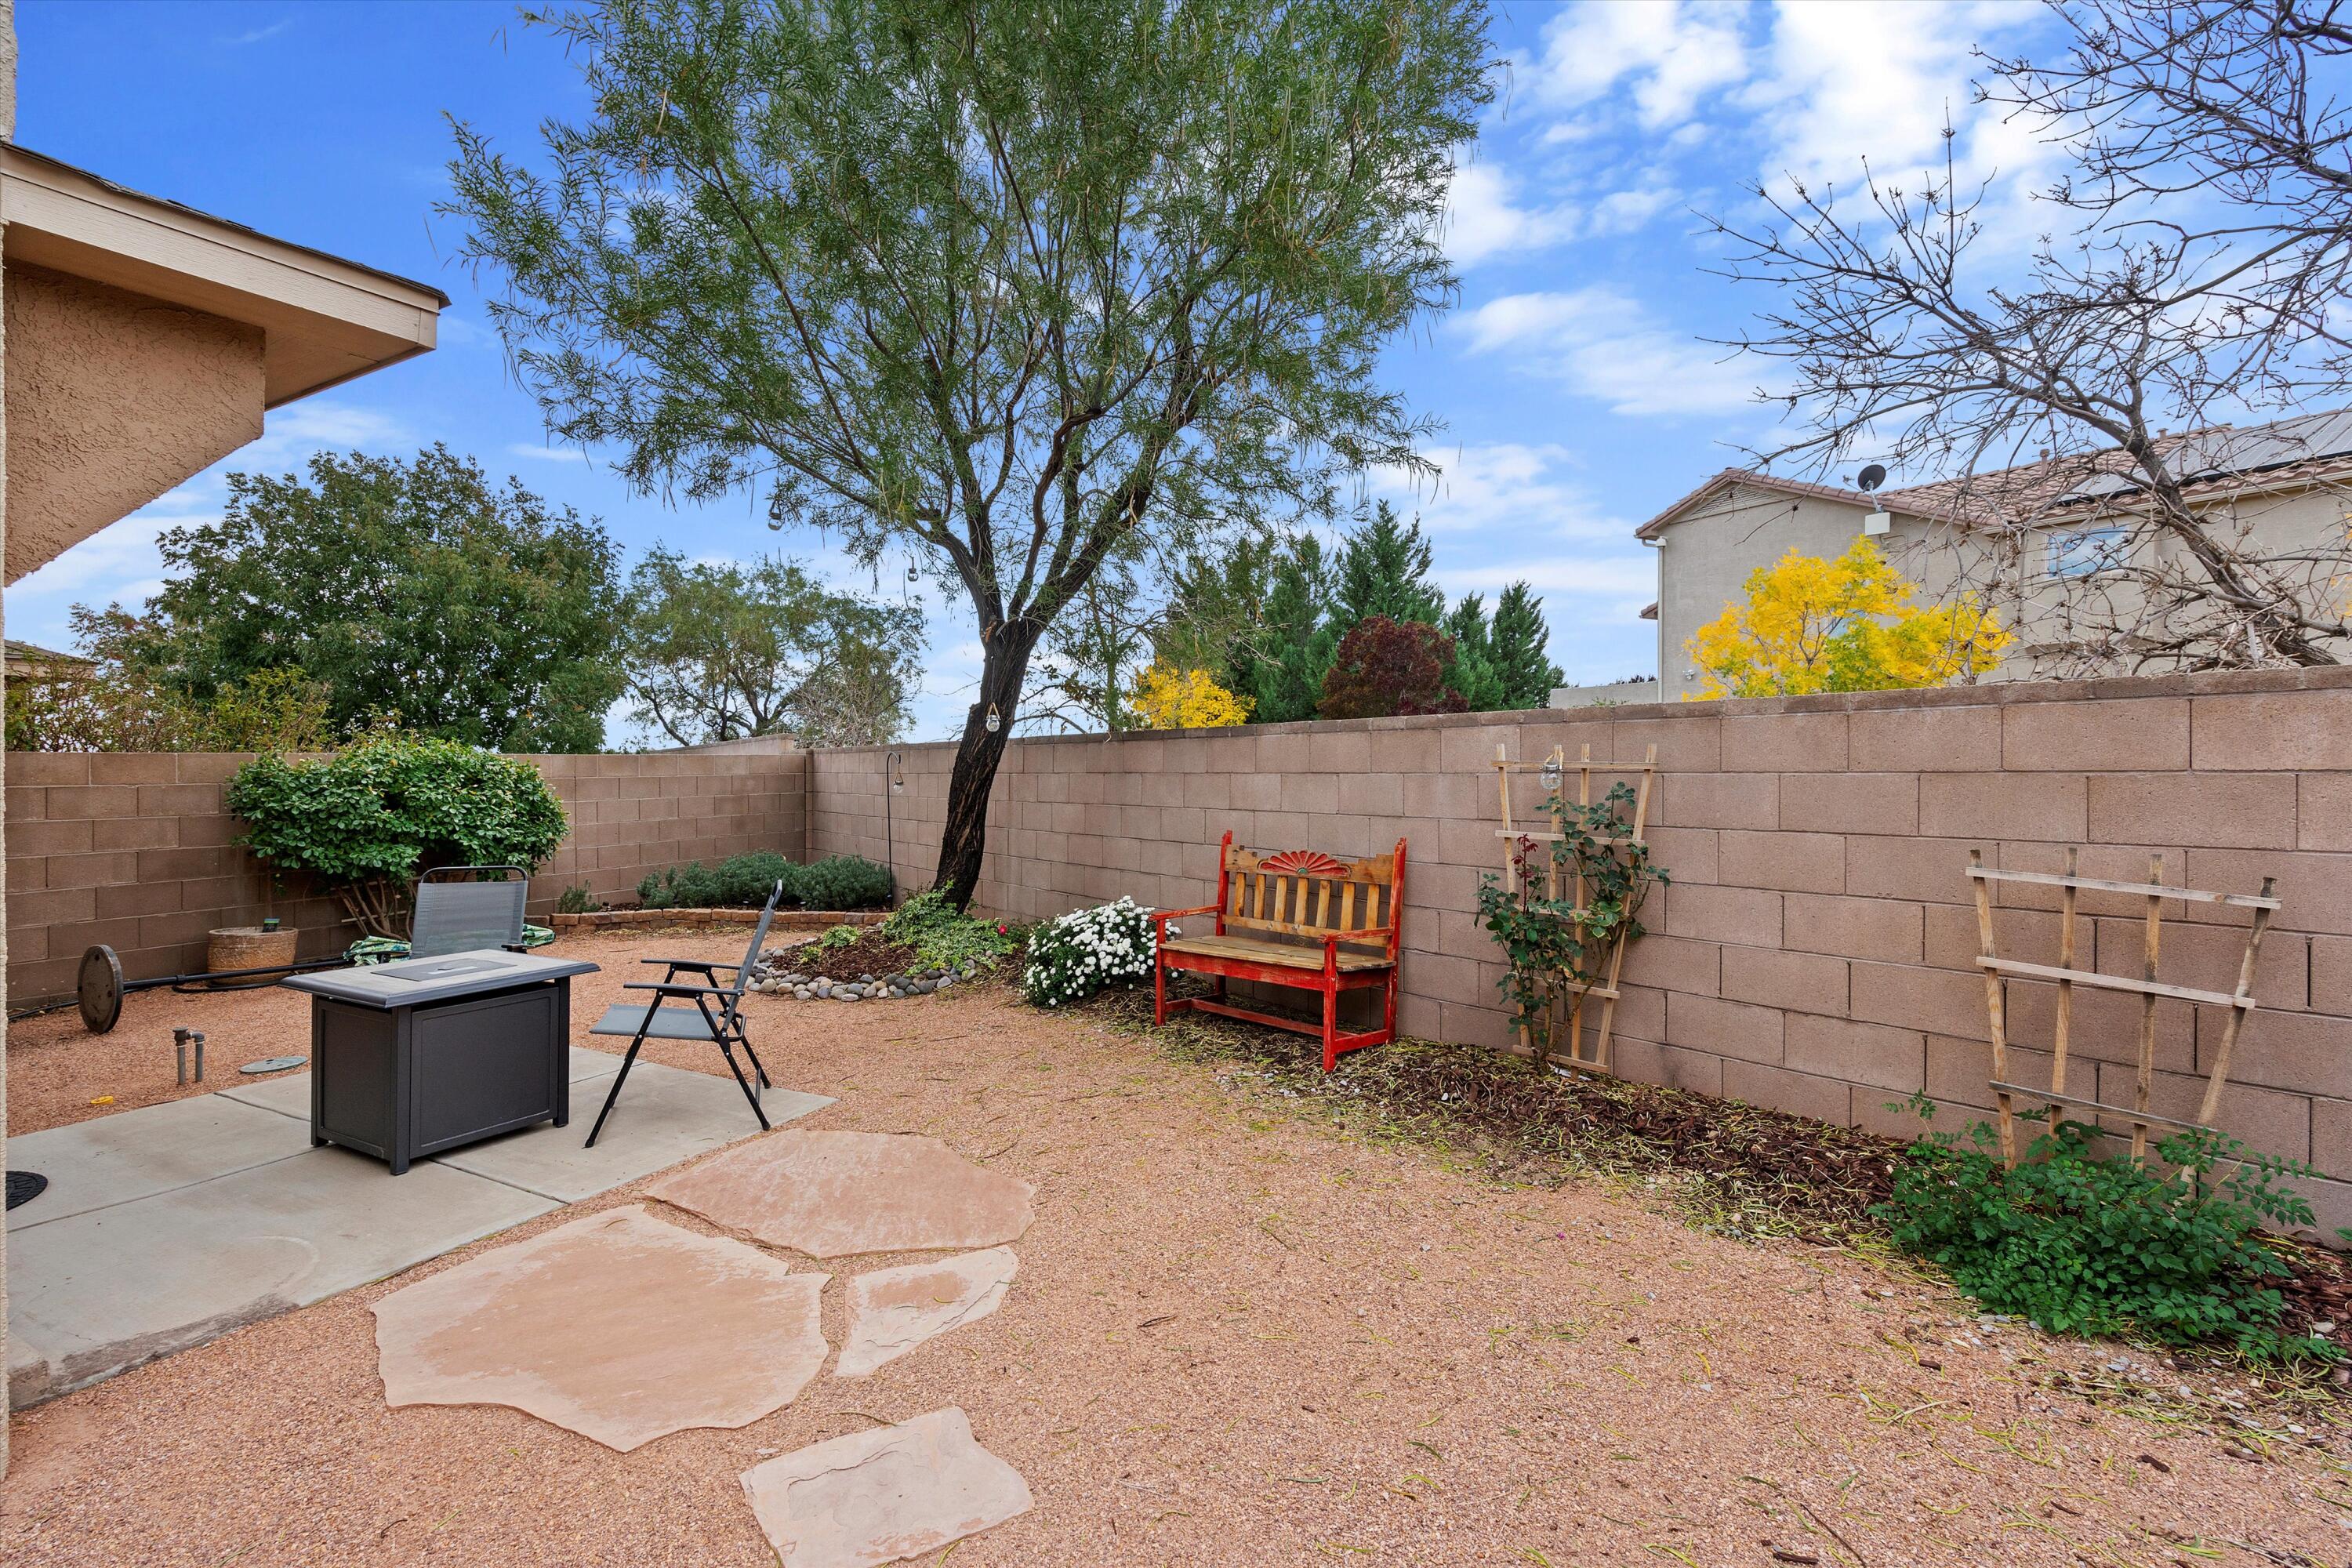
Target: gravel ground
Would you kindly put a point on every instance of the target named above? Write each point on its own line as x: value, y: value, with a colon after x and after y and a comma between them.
x: 1237, y: 1337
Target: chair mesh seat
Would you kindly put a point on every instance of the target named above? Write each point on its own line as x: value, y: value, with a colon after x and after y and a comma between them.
x: 668, y: 1023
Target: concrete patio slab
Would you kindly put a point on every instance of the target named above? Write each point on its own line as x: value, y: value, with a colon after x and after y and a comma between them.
x: 136, y: 1154
x: 833, y: 1194
x: 620, y: 1327
x: 667, y: 1114
x: 883, y: 1496
x: 168, y: 1225
x: 290, y: 1095
x: 892, y: 1311
x: 94, y: 1294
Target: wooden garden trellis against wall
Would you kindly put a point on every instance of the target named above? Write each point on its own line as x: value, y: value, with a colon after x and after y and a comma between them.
x: 2146, y: 986
x: 1579, y: 991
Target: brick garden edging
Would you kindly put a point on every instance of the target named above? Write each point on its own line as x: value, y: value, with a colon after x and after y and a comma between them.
x: 786, y: 919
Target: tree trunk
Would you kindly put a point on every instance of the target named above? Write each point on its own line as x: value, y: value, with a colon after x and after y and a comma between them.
x: 1004, y: 667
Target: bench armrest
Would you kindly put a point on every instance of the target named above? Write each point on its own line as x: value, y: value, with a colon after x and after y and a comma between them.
x: 1160, y: 918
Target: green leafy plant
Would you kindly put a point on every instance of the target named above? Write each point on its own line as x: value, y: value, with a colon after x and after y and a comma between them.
x: 1547, y: 931
x: 2084, y: 1245
x: 365, y: 821
x: 946, y: 936
x: 1074, y: 956
x: 743, y: 882
x: 578, y: 899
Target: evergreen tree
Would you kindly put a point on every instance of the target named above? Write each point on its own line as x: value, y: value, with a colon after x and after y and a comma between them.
x: 1216, y: 608
x: 1385, y: 571
x: 1280, y: 668
x: 1472, y: 672
x: 1517, y: 649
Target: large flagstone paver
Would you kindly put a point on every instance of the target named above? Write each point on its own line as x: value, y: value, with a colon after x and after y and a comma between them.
x: 94, y: 1294
x: 136, y: 1154
x: 667, y: 1114
x: 892, y: 1311
x: 620, y: 1327
x: 835, y: 1194
x: 882, y: 1495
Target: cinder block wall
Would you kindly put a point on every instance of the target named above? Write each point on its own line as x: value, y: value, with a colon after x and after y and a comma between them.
x: 137, y: 851
x: 1816, y: 950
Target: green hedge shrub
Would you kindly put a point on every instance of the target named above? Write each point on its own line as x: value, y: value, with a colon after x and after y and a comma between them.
x: 366, y: 820
x: 2088, y: 1246
x: 741, y: 882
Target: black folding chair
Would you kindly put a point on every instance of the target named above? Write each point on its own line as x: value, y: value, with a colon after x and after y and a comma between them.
x: 454, y: 916
x: 658, y: 1020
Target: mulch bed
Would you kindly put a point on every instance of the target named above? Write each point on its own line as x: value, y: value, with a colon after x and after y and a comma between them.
x: 1738, y: 1169
x: 869, y: 952
x: 1744, y: 1169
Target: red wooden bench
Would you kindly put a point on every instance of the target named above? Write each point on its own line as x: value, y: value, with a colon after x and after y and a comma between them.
x: 1299, y: 919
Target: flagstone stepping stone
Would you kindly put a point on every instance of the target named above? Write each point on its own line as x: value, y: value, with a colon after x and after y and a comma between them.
x: 879, y: 1497
x: 892, y: 1311
x: 620, y: 1327
x: 835, y: 1194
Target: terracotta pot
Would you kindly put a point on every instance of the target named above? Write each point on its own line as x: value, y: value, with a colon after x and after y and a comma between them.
x: 250, y: 947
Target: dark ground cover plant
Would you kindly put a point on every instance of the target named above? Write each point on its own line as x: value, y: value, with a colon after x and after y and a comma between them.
x: 742, y: 882
x: 2172, y: 1250
x: 365, y: 821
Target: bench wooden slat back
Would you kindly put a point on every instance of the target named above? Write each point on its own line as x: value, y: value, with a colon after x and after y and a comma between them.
x: 1302, y: 892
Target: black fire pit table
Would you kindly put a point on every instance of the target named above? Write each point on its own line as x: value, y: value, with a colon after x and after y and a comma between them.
x: 410, y: 1059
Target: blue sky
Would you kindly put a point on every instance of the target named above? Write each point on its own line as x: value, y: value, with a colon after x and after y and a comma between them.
x: 1577, y: 388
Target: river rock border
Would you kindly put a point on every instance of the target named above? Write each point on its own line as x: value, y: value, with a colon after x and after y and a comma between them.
x: 775, y: 976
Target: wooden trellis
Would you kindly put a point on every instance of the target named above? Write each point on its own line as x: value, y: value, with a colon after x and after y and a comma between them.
x: 1579, y: 992
x: 2055, y: 1099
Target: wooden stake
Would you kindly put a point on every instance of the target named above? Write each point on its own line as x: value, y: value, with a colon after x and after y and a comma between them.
x: 1999, y: 1031
x: 2067, y: 902
x: 2151, y: 945
x: 2212, y: 1102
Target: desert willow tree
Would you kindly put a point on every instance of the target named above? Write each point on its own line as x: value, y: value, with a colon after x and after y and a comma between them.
x: 1020, y: 286
x: 2209, y: 234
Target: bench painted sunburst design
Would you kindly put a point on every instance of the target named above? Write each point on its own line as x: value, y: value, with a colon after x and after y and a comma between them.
x: 1304, y: 863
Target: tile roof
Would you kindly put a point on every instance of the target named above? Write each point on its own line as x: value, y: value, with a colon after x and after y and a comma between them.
x: 2212, y: 461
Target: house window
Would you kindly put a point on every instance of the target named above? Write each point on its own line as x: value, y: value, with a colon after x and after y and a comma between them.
x: 2086, y: 551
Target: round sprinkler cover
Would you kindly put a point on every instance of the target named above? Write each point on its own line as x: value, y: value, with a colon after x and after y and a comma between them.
x: 273, y: 1064
x: 23, y: 1186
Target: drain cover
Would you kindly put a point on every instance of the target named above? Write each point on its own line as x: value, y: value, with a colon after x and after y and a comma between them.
x: 23, y: 1186
x: 273, y: 1064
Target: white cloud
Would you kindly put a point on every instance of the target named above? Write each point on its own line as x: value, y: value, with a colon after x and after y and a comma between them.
x: 1605, y: 346
x: 1878, y: 78
x: 537, y: 453
x: 1634, y: 578
x: 1673, y: 54
x: 1482, y: 218
x: 1514, y: 490
x: 294, y: 432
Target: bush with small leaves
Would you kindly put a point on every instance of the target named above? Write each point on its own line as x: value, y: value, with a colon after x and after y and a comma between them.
x: 2082, y: 1245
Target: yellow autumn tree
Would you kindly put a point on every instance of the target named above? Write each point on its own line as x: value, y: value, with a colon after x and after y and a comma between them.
x: 1848, y: 625
x: 1167, y: 698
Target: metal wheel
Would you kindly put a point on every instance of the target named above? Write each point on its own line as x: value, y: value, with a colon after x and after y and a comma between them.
x: 99, y: 989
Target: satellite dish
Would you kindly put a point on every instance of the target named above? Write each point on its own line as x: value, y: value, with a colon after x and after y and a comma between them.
x: 1871, y: 478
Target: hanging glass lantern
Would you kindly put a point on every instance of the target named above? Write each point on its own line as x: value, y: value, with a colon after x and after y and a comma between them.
x: 1551, y: 771
x: 994, y: 723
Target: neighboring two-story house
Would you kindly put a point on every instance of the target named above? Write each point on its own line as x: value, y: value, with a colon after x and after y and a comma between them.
x: 2044, y: 539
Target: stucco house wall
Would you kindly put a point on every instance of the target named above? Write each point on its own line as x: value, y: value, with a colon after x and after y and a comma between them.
x: 113, y: 398
x: 1705, y: 555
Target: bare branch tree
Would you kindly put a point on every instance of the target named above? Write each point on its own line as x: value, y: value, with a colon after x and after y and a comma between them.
x: 2078, y: 402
